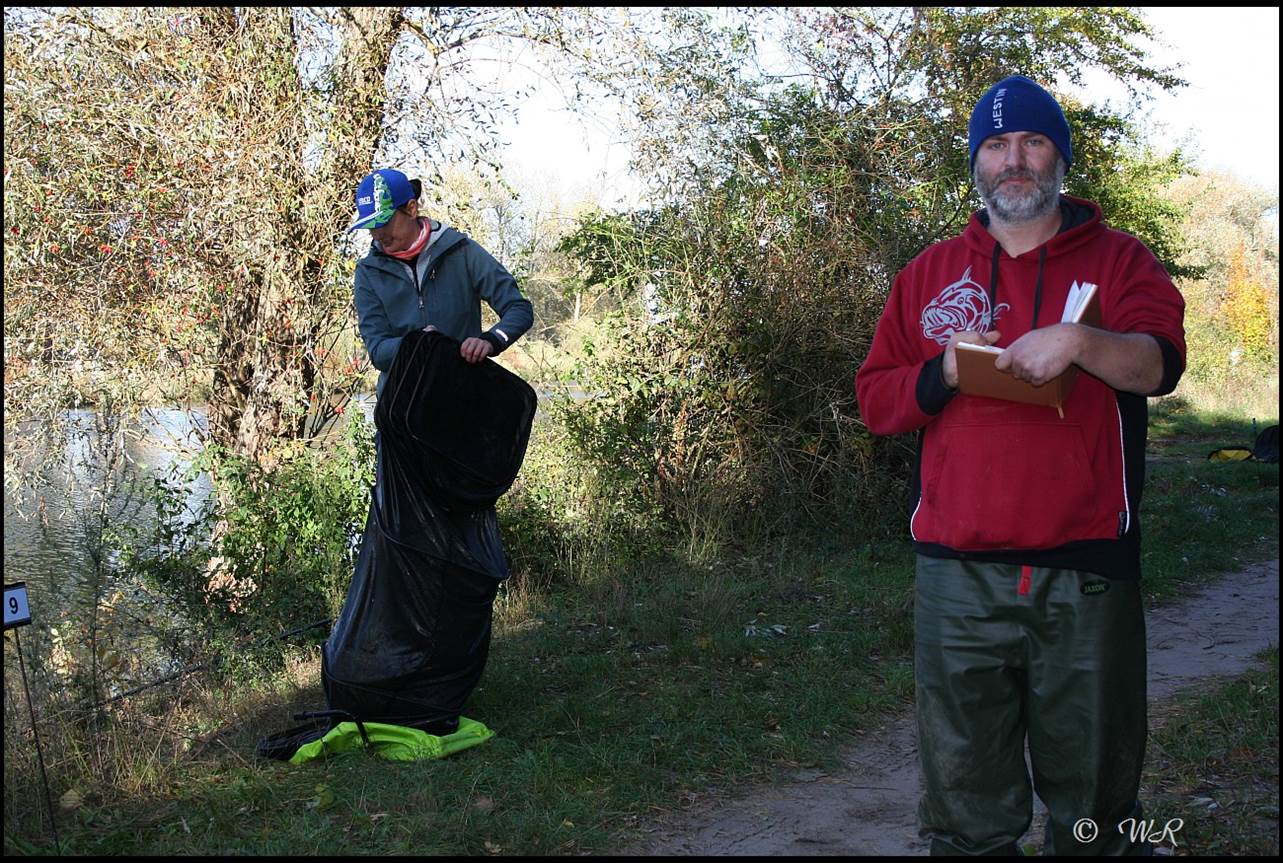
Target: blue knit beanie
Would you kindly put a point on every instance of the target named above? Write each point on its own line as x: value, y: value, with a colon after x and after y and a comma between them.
x: 1017, y: 104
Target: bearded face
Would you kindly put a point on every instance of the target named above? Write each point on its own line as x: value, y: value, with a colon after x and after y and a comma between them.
x: 1020, y: 194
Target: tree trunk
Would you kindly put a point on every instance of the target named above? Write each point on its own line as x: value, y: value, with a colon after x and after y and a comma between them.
x: 280, y: 303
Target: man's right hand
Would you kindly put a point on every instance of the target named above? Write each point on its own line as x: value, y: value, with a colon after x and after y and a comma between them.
x: 950, y: 366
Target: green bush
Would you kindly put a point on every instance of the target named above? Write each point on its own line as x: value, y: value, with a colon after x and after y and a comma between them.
x: 274, y: 551
x: 566, y: 519
x: 724, y: 395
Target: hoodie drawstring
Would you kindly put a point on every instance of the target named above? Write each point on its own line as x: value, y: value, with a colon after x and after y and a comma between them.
x: 1042, y: 259
x: 993, y: 284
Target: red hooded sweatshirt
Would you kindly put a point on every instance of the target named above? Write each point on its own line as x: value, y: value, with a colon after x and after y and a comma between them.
x: 1004, y: 481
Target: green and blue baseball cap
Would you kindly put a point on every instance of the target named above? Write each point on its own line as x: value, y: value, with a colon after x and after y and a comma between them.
x: 379, y: 195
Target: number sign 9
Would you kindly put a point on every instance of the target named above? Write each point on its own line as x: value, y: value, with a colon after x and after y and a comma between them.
x: 16, y: 610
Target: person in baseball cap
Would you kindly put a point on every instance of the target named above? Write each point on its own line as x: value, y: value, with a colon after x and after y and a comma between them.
x: 423, y: 274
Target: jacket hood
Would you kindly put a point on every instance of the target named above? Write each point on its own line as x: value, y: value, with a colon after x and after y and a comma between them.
x: 1090, y: 224
x: 448, y: 238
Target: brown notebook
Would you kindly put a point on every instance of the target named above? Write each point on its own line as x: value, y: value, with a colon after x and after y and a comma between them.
x: 978, y: 377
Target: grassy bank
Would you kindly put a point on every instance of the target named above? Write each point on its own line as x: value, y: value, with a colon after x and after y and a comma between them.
x: 1201, y: 517
x: 1214, y: 764
x: 612, y: 699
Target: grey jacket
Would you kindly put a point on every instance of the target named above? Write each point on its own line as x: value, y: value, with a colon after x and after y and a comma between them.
x: 445, y: 287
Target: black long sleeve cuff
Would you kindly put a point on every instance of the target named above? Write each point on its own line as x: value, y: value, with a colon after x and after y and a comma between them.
x: 1173, y: 367
x: 931, y: 391
x: 495, y: 342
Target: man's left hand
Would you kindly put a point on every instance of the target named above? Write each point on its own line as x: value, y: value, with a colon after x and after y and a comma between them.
x: 475, y: 350
x: 1040, y: 355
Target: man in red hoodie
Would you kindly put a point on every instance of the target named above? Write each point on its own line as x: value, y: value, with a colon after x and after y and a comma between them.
x: 1027, y: 613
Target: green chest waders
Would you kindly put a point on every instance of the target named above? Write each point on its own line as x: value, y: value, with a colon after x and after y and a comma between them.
x: 1003, y: 652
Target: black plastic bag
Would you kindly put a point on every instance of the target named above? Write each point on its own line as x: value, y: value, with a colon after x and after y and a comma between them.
x: 412, y: 639
x: 1266, y: 448
x: 460, y: 429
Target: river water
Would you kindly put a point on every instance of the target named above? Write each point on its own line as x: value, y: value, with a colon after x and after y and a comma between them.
x: 46, y: 531
x: 50, y: 540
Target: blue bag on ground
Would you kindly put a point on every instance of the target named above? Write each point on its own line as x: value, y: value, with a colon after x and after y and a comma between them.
x: 411, y: 641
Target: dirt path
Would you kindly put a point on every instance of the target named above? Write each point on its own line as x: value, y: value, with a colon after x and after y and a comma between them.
x: 869, y: 809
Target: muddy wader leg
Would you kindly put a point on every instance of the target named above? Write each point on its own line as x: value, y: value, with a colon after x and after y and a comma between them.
x: 1004, y: 649
x: 1087, y: 708
x: 970, y: 691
